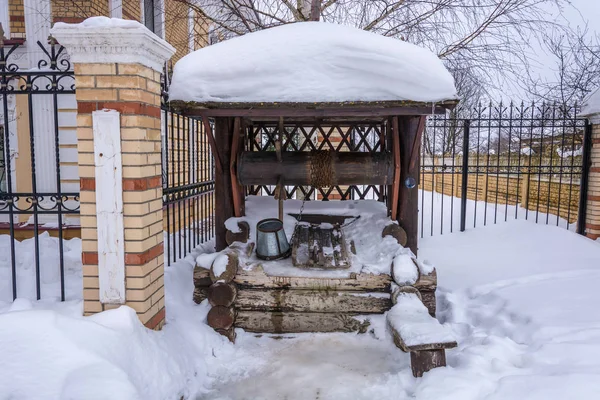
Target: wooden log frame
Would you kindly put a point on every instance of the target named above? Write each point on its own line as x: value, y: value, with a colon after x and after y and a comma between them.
x: 296, y: 322
x: 316, y: 301
x: 221, y: 317
x: 257, y: 279
x: 296, y: 168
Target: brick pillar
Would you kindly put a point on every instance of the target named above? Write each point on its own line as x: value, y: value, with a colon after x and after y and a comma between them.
x: 592, y: 221
x: 118, y: 68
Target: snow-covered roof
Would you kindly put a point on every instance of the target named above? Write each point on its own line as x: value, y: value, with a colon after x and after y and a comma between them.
x: 311, y: 62
x: 591, y: 105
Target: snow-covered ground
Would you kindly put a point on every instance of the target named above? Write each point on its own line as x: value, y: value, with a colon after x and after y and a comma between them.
x: 520, y: 297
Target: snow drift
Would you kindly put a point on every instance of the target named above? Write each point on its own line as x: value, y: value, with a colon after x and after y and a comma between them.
x: 311, y: 62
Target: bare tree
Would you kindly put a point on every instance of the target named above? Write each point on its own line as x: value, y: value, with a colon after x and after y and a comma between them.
x: 577, y: 67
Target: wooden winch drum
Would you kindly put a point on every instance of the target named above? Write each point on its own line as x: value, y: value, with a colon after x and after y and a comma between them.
x: 271, y: 242
x: 315, y: 168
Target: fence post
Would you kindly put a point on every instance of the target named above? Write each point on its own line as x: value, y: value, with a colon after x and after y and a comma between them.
x: 465, y: 175
x: 117, y: 68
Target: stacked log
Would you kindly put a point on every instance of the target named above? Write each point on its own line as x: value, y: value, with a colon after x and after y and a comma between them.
x: 222, y: 292
x: 272, y: 304
x: 202, y: 282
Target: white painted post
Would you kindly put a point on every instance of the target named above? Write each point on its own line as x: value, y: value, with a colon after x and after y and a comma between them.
x: 109, y: 205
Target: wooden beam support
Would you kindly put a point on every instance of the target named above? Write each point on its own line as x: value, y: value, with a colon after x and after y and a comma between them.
x: 410, y: 129
x: 235, y: 185
x: 397, y: 167
x: 212, y: 144
x: 224, y: 207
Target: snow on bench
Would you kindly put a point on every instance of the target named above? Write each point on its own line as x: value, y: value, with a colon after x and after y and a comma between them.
x: 417, y: 332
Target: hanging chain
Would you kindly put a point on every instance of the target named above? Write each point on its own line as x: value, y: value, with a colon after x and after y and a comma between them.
x: 299, y: 219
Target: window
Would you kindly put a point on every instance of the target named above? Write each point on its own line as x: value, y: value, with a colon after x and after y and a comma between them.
x: 149, y: 8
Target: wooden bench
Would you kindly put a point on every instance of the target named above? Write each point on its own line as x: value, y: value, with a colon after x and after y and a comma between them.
x: 420, y: 334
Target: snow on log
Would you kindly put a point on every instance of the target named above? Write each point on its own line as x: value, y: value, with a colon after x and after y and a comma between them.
x: 224, y: 267
x: 221, y: 294
x: 226, y: 262
x: 397, y: 232
x: 312, y: 301
x: 404, y: 270
x: 413, y: 329
x: 221, y: 317
x: 242, y: 235
x: 296, y: 322
x: 427, y: 281
x: 311, y: 62
x: 205, y: 260
x: 257, y: 279
x: 397, y: 290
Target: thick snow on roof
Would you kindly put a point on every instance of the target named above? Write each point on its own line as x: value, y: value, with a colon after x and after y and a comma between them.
x: 311, y: 62
x: 591, y: 105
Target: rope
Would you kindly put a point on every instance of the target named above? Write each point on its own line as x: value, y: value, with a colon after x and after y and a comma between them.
x: 322, y: 173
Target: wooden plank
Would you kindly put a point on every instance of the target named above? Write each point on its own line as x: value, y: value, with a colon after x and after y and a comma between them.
x: 312, y: 301
x: 318, y: 113
x: 109, y: 206
x: 365, y: 105
x: 295, y: 322
x: 257, y: 279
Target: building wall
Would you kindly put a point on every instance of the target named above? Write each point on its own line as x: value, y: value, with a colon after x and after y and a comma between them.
x: 17, y: 19
x: 132, y: 10
x: 177, y: 28
x: 74, y: 11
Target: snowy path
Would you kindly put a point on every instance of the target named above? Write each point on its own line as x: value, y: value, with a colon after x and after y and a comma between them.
x: 521, y: 298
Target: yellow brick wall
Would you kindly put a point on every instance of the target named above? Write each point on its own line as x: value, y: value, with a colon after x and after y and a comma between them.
x: 17, y: 19
x: 131, y: 10
x: 74, y: 11
x: 176, y: 27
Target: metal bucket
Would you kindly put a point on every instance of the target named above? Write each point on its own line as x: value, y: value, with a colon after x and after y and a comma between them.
x: 271, y: 242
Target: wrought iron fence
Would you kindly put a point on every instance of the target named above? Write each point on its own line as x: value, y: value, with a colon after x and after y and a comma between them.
x: 188, y: 181
x: 39, y: 191
x: 499, y: 161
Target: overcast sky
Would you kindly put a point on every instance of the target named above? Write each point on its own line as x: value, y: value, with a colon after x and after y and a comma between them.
x: 581, y: 12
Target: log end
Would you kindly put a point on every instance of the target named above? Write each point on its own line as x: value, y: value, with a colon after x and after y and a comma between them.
x: 397, y: 232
